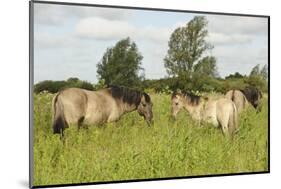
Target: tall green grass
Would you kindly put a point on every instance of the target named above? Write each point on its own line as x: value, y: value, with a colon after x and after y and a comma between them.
x: 129, y: 149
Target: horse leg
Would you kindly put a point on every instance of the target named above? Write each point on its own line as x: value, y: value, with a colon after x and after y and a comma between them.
x: 61, y: 133
x: 225, y: 130
x: 224, y: 126
x: 222, y: 119
x: 80, y: 122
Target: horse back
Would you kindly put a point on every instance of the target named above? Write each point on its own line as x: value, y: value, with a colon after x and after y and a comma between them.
x: 101, y: 107
x: 90, y: 107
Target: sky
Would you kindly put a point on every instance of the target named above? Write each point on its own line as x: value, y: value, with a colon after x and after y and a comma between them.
x: 69, y: 41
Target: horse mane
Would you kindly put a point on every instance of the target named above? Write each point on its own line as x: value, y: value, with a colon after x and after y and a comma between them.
x: 194, y: 99
x: 232, y: 95
x: 128, y: 95
x: 146, y: 97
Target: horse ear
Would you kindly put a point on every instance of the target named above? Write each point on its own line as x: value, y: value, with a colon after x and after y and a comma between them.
x: 177, y: 96
x: 178, y: 91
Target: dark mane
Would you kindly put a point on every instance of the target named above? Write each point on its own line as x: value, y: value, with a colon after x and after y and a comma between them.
x: 193, y: 99
x: 147, y: 97
x: 127, y: 95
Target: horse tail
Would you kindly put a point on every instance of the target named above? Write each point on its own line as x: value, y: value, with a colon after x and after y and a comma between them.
x: 244, y: 101
x: 59, y: 123
x: 232, y: 95
x: 233, y: 120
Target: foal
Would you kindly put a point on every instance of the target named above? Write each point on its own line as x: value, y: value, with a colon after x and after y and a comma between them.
x: 221, y: 112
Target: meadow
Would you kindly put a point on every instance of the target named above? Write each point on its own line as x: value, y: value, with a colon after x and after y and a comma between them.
x: 129, y: 149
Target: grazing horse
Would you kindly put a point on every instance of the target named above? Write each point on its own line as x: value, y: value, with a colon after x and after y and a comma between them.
x: 79, y: 106
x: 238, y: 98
x: 242, y: 98
x: 221, y: 112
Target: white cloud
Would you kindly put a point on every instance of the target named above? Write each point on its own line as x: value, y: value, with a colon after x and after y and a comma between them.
x: 153, y: 33
x: 47, y: 40
x: 238, y: 25
x: 219, y: 32
x: 231, y: 30
x: 228, y: 39
x: 241, y: 59
x: 48, y: 14
x: 102, y: 29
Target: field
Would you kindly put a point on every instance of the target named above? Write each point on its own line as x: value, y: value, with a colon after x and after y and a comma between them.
x: 129, y: 149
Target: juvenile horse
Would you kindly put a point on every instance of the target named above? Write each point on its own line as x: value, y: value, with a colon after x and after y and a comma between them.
x: 79, y: 106
x: 221, y: 112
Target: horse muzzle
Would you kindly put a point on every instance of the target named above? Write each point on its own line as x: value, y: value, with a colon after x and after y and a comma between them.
x: 149, y: 120
x: 56, y: 130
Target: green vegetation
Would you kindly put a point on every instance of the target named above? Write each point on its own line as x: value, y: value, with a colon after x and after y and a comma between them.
x: 121, y: 64
x: 55, y: 86
x: 129, y: 149
x: 198, y: 83
x: 187, y: 44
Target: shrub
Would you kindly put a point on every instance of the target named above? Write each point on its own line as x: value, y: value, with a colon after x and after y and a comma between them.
x: 55, y: 86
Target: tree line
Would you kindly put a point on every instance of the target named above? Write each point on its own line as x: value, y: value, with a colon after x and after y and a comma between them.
x: 186, y: 62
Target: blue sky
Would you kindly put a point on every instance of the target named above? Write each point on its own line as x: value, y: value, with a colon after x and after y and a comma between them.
x: 69, y: 41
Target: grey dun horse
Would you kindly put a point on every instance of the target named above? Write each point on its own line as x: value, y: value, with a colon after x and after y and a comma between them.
x: 221, y: 112
x: 242, y: 98
x: 80, y: 106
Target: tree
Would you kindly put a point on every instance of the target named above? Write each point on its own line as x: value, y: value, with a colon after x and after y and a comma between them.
x: 255, y: 71
x: 258, y: 78
x: 207, y: 66
x: 264, y: 72
x: 55, y: 86
x: 72, y: 80
x: 236, y: 75
x: 121, y: 64
x: 186, y: 46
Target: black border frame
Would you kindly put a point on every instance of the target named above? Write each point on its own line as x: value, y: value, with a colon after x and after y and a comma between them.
x: 31, y: 74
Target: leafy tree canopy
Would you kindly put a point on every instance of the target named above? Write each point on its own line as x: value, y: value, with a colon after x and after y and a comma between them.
x: 186, y: 46
x: 121, y: 64
x: 207, y: 66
